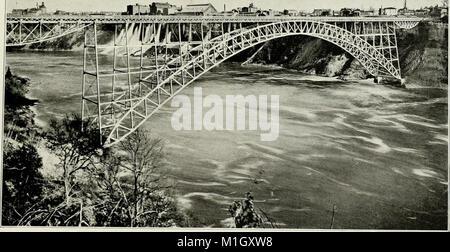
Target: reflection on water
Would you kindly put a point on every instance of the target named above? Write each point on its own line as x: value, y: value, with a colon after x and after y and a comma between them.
x: 379, y: 153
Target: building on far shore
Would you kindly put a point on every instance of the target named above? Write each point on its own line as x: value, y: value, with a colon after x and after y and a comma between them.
x: 322, y: 12
x: 197, y: 10
x: 405, y: 11
x: 368, y: 13
x: 269, y: 13
x: 388, y: 11
x: 250, y: 10
x: 138, y: 9
x: 421, y: 12
x: 291, y: 13
x: 39, y: 10
x: 346, y: 12
x: 158, y: 8
x: 61, y: 12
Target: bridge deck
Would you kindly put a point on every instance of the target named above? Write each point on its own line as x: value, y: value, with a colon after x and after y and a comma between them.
x: 196, y: 19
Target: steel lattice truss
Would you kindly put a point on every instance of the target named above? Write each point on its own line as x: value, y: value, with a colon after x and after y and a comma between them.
x: 172, y: 56
x: 27, y: 33
x: 25, y: 30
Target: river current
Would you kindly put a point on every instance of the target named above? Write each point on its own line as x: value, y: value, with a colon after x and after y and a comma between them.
x: 378, y: 153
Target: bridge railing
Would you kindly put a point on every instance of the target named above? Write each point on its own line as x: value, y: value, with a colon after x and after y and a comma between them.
x: 180, y: 18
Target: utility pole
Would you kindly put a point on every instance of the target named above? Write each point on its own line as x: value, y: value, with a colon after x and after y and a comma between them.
x: 332, y: 216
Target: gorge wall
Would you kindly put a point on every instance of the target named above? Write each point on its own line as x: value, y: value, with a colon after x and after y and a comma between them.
x: 423, y: 53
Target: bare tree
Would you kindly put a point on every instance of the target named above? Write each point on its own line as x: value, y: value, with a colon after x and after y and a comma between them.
x: 75, y: 149
x: 136, y: 186
x: 124, y: 186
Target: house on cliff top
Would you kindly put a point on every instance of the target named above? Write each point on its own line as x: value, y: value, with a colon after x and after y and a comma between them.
x: 39, y: 10
x: 198, y: 10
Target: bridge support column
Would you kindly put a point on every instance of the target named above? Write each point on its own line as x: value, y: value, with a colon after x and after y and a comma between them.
x: 378, y: 79
x: 403, y: 82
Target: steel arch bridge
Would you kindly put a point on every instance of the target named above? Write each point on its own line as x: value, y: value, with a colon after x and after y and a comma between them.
x: 172, y: 52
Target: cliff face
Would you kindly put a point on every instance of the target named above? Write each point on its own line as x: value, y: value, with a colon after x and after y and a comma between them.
x: 306, y: 54
x: 423, y: 56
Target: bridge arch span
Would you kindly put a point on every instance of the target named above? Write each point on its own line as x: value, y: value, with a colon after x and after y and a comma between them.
x: 166, y: 82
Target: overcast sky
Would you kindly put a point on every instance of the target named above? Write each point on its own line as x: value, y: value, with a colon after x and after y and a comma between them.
x: 120, y: 5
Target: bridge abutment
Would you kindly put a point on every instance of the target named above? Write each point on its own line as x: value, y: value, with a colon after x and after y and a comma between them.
x: 403, y: 81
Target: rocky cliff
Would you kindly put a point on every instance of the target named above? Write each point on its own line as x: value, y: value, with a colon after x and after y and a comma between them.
x: 423, y: 56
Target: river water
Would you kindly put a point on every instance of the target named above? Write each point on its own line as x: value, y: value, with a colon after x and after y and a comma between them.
x: 378, y: 153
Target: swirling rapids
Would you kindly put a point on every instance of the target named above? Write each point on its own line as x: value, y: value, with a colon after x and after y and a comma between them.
x: 376, y: 152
